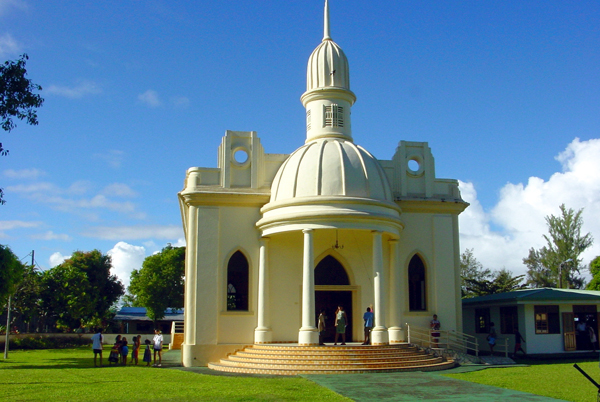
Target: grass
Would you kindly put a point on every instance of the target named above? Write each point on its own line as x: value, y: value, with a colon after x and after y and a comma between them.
x: 70, y: 375
x: 556, y: 379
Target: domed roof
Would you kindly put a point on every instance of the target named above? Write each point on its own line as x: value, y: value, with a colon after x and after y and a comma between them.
x: 327, y: 67
x: 331, y: 167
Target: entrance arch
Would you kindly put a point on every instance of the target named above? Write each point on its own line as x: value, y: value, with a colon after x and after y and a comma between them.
x: 332, y: 288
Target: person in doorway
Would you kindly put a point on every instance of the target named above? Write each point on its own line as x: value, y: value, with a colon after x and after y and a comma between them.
x: 435, y: 330
x: 97, y: 342
x: 491, y: 338
x: 368, y: 317
x: 157, y: 342
x: 321, y: 327
x: 582, y: 334
x: 592, y: 335
x: 341, y: 321
x: 518, y: 340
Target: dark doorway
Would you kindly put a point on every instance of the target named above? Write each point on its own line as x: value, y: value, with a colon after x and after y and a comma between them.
x: 329, y: 300
x: 585, y: 316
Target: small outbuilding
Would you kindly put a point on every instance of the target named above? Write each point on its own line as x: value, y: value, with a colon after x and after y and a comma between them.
x: 551, y: 320
x: 135, y: 320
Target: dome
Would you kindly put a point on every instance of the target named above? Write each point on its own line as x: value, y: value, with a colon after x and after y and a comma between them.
x: 327, y: 67
x: 331, y: 167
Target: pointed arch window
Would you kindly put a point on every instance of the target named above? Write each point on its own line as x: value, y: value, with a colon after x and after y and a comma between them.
x: 237, y: 282
x: 417, y: 288
x: 330, y: 271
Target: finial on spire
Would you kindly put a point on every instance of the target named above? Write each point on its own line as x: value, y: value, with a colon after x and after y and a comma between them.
x: 326, y: 23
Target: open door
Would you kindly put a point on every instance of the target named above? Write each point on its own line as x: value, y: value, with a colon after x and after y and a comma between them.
x: 569, y: 333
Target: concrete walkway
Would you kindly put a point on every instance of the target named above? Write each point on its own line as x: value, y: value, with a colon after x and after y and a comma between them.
x: 403, y: 386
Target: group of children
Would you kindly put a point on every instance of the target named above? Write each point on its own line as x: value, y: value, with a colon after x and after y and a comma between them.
x: 120, y: 351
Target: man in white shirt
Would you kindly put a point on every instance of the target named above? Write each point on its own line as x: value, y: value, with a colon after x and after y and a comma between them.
x: 97, y: 341
x: 157, y: 342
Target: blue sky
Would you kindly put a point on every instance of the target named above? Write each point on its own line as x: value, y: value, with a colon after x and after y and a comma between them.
x: 506, y: 93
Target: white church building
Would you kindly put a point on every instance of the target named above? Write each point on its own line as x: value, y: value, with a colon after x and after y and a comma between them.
x: 272, y: 239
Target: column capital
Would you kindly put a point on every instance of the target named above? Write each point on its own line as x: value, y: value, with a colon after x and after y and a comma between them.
x: 393, y: 241
x: 377, y: 231
x: 307, y: 230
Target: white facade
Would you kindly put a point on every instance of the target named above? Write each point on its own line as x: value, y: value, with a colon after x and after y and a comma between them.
x: 328, y: 224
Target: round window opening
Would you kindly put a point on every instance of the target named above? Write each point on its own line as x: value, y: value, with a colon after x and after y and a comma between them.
x: 240, y: 156
x: 414, y: 166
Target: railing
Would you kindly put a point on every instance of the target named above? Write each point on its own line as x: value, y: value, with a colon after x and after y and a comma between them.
x: 451, y: 340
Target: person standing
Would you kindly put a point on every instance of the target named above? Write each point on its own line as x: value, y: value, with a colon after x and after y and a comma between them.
x: 97, y: 342
x: 136, y: 349
x: 435, y: 330
x: 368, y: 317
x: 518, y: 339
x: 124, y: 351
x: 341, y: 320
x: 157, y: 342
x: 592, y: 335
x: 147, y: 353
x: 321, y: 327
x: 491, y: 338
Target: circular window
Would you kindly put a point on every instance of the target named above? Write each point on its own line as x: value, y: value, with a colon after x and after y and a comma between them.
x: 415, y: 165
x: 240, y: 156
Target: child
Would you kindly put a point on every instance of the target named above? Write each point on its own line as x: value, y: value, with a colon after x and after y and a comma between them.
x: 147, y: 353
x: 136, y: 349
x: 124, y: 351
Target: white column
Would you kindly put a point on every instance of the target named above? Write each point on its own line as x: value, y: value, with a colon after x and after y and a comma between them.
x: 190, y: 285
x: 308, y: 334
x: 263, y: 333
x: 379, y: 335
x: 395, y: 330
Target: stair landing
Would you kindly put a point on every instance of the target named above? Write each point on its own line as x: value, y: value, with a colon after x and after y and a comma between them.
x: 353, y: 358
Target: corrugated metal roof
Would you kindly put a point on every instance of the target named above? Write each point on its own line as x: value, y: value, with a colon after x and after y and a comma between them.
x: 535, y: 295
x: 139, y: 314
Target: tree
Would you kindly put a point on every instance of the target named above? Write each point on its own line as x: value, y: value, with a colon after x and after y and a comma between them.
x: 471, y: 269
x: 559, y: 258
x: 159, y: 284
x: 11, y: 273
x: 81, y: 290
x: 501, y: 281
x: 26, y: 302
x: 595, y: 271
x: 17, y: 98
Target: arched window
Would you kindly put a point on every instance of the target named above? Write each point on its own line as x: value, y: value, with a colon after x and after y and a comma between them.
x: 330, y: 272
x: 416, y: 285
x: 237, y: 283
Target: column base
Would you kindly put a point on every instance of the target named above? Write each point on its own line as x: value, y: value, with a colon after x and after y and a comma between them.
x: 396, y: 335
x: 380, y: 336
x: 308, y: 337
x: 263, y: 335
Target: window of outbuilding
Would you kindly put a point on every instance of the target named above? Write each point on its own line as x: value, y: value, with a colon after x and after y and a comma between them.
x: 482, y: 320
x: 237, y: 282
x: 508, y: 319
x: 547, y: 320
x: 416, y: 285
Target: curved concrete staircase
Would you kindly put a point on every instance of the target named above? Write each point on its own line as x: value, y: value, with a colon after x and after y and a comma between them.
x: 351, y: 359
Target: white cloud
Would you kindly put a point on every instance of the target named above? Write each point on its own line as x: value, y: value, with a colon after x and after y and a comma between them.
x: 150, y: 98
x: 74, y: 92
x: 57, y: 259
x: 5, y: 5
x: 24, y: 174
x: 8, y: 225
x: 114, y: 158
x: 518, y: 219
x: 180, y: 102
x: 119, y: 190
x: 166, y: 232
x: 125, y: 258
x: 50, y: 235
x: 8, y: 45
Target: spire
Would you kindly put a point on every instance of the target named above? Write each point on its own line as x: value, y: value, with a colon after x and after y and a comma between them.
x: 326, y: 22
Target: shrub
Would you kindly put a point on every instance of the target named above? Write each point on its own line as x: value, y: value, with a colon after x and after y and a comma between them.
x: 47, y: 342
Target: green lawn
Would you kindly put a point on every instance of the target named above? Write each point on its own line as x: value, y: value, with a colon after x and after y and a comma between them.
x: 69, y: 375
x: 556, y: 379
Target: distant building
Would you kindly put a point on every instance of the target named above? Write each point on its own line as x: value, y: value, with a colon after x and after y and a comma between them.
x: 272, y: 239
x: 133, y: 320
x: 547, y: 318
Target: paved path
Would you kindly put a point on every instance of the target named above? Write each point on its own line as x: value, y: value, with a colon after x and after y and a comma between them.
x: 407, y: 386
